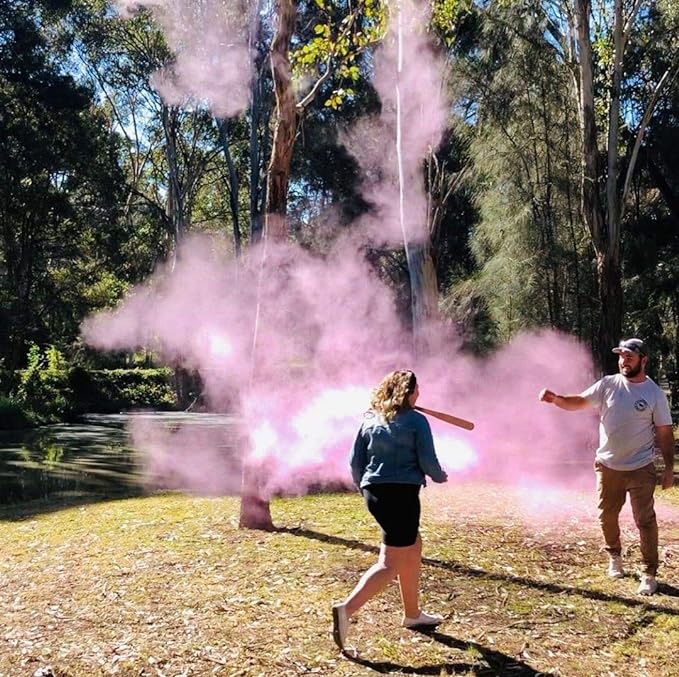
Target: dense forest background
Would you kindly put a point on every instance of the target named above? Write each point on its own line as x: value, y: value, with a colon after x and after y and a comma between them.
x: 554, y: 196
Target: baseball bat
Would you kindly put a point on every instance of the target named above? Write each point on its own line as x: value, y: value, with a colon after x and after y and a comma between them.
x: 448, y: 418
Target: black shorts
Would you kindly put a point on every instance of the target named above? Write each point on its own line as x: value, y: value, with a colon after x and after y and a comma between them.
x: 396, y: 507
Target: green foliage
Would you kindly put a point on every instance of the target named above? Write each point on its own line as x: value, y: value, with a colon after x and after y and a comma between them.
x: 50, y: 390
x: 113, y: 390
x: 466, y: 305
x: 85, y: 208
x: 529, y: 245
x: 448, y: 16
x: 43, y: 386
x: 340, y: 32
x: 59, y: 197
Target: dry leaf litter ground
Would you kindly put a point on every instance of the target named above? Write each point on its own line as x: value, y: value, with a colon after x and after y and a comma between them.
x: 167, y: 585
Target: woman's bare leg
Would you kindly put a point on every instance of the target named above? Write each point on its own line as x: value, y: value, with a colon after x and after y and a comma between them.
x: 409, y: 579
x: 375, y: 579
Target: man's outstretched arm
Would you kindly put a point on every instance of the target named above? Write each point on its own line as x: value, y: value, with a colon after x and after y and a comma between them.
x: 567, y: 402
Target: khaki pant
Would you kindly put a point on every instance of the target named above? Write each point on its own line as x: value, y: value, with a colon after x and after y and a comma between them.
x: 612, y: 487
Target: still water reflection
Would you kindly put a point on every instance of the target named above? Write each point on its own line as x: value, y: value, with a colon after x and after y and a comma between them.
x: 93, y: 456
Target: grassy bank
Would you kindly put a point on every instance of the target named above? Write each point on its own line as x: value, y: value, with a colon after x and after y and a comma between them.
x: 167, y: 585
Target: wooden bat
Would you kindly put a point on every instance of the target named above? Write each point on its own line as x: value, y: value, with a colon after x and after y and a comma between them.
x: 448, y: 418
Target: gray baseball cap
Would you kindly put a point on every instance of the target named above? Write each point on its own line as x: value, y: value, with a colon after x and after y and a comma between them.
x: 631, y: 345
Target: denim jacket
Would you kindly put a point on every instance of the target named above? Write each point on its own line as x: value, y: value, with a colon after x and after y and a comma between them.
x: 400, y: 452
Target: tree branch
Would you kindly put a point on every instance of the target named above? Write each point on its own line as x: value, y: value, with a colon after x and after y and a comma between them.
x: 630, y: 21
x: 668, y: 77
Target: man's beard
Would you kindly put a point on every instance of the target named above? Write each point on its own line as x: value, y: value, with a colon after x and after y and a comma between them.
x: 631, y: 372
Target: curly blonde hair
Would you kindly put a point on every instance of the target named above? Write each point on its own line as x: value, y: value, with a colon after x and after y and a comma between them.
x: 391, y: 395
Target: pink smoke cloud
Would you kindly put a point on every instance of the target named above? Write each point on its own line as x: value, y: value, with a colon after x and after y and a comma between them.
x: 212, y: 57
x: 409, y: 78
x: 328, y: 331
x: 294, y: 352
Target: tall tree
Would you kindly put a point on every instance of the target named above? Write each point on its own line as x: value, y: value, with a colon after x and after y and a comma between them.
x: 606, y: 184
x: 59, y: 190
x: 341, y: 32
x: 530, y: 243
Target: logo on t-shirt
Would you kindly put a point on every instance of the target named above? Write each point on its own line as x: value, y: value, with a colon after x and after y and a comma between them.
x: 640, y: 405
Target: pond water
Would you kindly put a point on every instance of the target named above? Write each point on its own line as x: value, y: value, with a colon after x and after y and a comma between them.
x: 92, y: 456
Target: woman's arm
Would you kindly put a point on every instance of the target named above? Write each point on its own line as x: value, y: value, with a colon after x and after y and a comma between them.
x: 359, y: 458
x: 426, y: 454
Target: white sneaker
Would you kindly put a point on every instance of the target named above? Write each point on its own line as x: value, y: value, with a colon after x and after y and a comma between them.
x: 648, y: 585
x: 615, y: 569
x: 340, y: 625
x: 424, y: 619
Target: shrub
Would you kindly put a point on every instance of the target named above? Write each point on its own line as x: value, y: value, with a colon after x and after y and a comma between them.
x: 43, y: 390
x: 49, y: 390
x: 112, y: 390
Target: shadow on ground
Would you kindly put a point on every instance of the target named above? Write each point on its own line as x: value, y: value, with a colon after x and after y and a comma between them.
x: 491, y: 662
x: 463, y: 570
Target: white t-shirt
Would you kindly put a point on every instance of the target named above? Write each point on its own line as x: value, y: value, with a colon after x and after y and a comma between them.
x: 628, y: 414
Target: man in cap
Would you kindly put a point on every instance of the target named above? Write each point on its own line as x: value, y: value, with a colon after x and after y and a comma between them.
x: 633, y: 416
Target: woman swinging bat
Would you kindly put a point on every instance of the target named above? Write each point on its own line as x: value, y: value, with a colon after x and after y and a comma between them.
x: 393, y: 452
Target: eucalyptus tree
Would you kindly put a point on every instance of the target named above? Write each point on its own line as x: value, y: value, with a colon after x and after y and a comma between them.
x: 341, y: 32
x: 529, y: 243
x: 650, y: 244
x: 600, y: 47
x: 614, y: 93
x: 336, y: 35
x: 59, y: 188
x: 172, y: 144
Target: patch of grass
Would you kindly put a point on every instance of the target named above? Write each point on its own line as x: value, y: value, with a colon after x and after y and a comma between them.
x: 168, y: 585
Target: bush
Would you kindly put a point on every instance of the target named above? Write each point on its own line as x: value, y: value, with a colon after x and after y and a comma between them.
x: 107, y: 391
x: 48, y: 390
x: 43, y: 390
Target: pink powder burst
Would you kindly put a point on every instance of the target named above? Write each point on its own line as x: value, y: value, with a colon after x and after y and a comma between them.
x: 265, y: 442
x: 212, y: 58
x: 550, y: 502
x: 219, y: 346
x: 310, y: 445
x: 293, y: 348
x: 455, y: 455
x: 328, y: 331
x: 409, y: 77
x: 197, y: 457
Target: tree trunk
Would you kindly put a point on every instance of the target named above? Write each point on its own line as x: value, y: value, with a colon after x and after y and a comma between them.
x: 233, y: 184
x: 187, y: 387
x: 255, y: 510
x: 256, y: 110
x: 276, y: 226
x: 605, y: 233
x: 424, y: 294
x: 255, y: 214
x: 612, y: 192
x: 175, y: 196
x: 591, y: 202
x: 610, y: 318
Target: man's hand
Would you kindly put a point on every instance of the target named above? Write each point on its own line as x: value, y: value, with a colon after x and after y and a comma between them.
x: 547, y: 396
x: 668, y: 478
